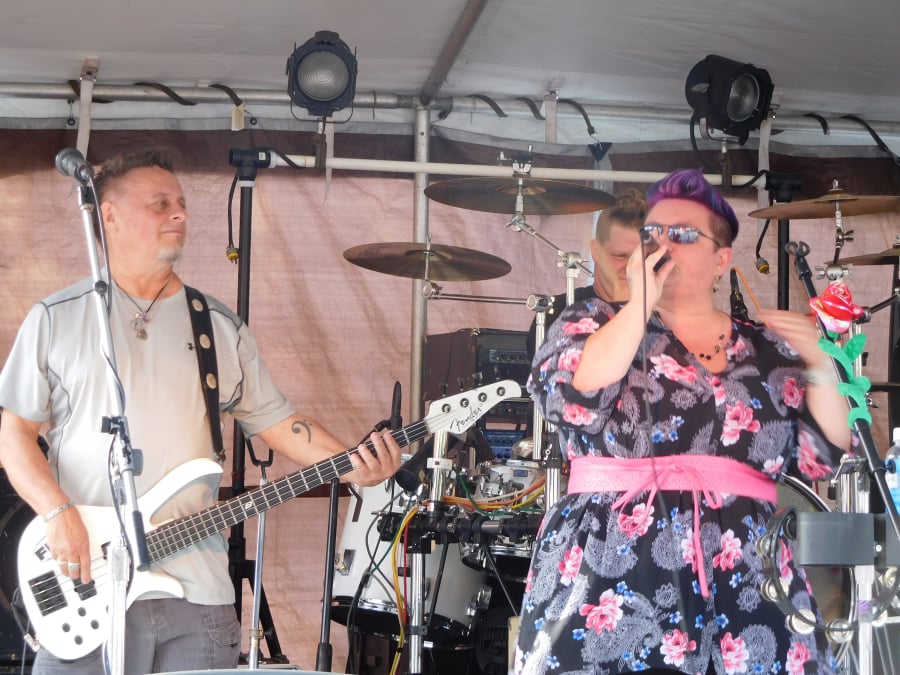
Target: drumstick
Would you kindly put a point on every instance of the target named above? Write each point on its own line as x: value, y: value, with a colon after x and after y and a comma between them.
x: 747, y: 287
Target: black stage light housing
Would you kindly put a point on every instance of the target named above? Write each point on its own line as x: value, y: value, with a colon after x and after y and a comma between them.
x: 322, y: 74
x: 733, y: 97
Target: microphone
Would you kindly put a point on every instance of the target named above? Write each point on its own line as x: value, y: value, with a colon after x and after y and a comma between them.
x: 70, y: 162
x: 409, y: 475
x: 662, y: 261
x: 646, y: 239
x: 396, y: 419
x: 414, y: 472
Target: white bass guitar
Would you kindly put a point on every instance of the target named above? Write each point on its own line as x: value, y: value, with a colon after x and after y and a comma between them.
x: 72, y: 619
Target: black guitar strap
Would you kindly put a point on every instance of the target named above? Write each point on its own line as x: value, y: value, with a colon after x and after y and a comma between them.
x: 205, y: 346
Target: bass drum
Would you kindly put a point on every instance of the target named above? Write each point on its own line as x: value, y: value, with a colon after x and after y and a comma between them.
x: 363, y: 589
x: 833, y: 587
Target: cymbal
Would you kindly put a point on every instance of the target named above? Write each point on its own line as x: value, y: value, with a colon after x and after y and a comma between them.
x: 437, y: 262
x: 824, y: 207
x: 539, y: 197
x: 886, y: 257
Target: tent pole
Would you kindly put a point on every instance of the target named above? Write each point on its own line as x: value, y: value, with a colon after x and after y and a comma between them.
x: 445, y: 168
x: 420, y: 235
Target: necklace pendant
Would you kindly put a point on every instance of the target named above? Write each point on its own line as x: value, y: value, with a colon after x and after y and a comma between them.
x: 137, y: 323
x: 141, y: 334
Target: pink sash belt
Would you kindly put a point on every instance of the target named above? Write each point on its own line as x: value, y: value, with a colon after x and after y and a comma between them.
x: 706, y: 475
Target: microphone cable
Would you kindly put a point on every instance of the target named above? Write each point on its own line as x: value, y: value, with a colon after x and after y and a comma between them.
x: 659, y: 498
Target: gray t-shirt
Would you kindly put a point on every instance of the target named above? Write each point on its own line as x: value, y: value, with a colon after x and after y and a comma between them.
x: 57, y: 374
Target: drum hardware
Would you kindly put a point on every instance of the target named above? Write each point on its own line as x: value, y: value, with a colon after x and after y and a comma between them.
x: 427, y: 261
x: 871, y: 607
x: 525, y: 196
x: 540, y: 304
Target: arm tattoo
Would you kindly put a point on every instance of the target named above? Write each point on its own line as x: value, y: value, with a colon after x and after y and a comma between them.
x: 299, y: 425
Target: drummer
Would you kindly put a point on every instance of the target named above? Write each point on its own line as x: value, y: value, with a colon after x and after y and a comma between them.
x: 618, y: 234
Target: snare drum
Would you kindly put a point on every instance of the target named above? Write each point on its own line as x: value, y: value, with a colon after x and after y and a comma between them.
x: 461, y: 593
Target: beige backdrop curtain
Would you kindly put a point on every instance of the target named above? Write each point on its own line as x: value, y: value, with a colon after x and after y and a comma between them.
x: 337, y: 336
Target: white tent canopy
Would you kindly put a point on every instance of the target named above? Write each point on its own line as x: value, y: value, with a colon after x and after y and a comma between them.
x: 624, y: 63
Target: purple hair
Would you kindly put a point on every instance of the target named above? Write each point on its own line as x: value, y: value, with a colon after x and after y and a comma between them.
x: 691, y: 185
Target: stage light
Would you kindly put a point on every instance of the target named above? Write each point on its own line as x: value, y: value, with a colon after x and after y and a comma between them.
x: 729, y: 96
x: 322, y: 74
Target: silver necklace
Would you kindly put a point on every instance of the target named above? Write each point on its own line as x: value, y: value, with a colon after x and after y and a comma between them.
x: 142, y: 316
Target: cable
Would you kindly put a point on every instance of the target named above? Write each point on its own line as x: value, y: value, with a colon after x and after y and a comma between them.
x: 493, y: 104
x: 880, y: 143
x: 231, y: 251
x: 587, y: 120
x: 706, y: 167
x: 759, y: 174
x: 167, y: 91
x: 821, y: 120
x: 535, y: 110
x: 762, y: 265
x: 237, y: 100
x: 658, y: 497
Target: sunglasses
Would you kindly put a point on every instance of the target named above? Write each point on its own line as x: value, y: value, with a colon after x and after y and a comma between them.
x: 679, y: 234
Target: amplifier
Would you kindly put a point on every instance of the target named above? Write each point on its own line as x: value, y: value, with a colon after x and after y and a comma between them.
x: 471, y: 357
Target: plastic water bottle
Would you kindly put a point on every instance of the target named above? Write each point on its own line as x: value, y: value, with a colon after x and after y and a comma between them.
x: 892, y: 468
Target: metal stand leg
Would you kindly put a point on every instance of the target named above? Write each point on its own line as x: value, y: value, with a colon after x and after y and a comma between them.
x: 255, y: 631
x: 261, y: 624
x: 852, y: 493
x: 416, y: 607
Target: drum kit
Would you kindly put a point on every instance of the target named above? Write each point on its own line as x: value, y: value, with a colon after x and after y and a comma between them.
x: 473, y: 584
x: 488, y: 511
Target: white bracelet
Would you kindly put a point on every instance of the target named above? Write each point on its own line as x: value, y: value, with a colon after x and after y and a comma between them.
x: 822, y: 376
x: 55, y: 512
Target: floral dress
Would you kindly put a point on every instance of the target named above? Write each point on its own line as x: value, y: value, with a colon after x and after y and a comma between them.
x: 616, y: 590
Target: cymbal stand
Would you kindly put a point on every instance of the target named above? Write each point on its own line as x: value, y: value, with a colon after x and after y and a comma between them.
x: 875, y: 465
x: 840, y: 236
x: 553, y: 484
x: 571, y: 261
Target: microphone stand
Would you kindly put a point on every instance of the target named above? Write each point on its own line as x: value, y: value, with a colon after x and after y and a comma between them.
x: 124, y: 493
x: 324, y: 650
x: 256, y: 633
x: 247, y: 162
x: 866, y: 442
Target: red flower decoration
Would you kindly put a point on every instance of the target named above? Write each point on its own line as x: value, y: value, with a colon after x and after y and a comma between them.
x: 835, y: 307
